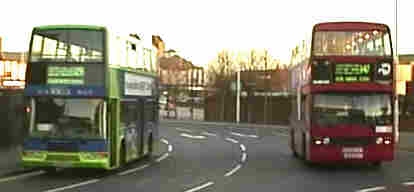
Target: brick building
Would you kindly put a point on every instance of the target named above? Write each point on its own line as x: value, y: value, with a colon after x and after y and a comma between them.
x: 12, y: 69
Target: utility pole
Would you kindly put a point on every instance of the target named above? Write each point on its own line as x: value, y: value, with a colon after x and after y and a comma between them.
x: 191, y: 93
x: 238, y: 94
x: 266, y: 89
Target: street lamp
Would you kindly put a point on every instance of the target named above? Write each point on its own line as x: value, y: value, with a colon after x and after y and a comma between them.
x: 236, y: 59
x: 238, y: 95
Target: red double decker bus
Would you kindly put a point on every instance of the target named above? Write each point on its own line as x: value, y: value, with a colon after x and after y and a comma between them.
x: 344, y: 90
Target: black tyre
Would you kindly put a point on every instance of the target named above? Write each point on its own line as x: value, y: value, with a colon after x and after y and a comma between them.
x: 49, y: 169
x: 123, y: 155
x: 377, y: 164
x: 304, y: 147
x: 292, y: 144
x: 150, y: 146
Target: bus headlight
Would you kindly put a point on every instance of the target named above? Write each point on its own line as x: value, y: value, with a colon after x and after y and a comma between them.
x: 379, y: 140
x: 318, y: 142
x: 33, y: 154
x: 387, y: 142
x: 94, y: 156
x: 326, y: 140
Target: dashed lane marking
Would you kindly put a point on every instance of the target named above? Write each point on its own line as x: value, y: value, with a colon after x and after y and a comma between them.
x: 232, y: 140
x: 193, y: 136
x: 244, y: 156
x: 238, y: 134
x: 200, y: 187
x: 134, y: 170
x: 280, y: 134
x: 242, y: 147
x: 185, y: 130
x: 22, y: 176
x: 243, y: 135
x: 73, y: 186
x: 164, y: 141
x: 209, y: 134
x: 159, y: 159
x: 234, y: 170
x: 379, y: 188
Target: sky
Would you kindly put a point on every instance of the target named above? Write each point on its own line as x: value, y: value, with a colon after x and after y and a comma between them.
x: 197, y: 30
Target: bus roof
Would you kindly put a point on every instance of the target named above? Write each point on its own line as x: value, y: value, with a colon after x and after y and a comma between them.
x: 87, y: 27
x: 350, y: 26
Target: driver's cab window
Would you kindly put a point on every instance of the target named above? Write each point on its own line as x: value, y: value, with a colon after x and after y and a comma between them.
x: 58, y: 117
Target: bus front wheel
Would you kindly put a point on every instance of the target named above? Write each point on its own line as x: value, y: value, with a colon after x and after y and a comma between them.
x: 50, y: 169
x: 377, y: 164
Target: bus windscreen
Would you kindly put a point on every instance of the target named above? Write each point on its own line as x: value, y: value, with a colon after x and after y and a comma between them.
x: 369, y: 109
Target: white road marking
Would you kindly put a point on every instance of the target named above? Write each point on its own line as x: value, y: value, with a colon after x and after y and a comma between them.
x: 238, y: 134
x: 133, y: 170
x: 193, y: 136
x: 22, y: 176
x: 242, y: 147
x: 164, y: 141
x: 372, y: 189
x: 73, y: 186
x: 243, y: 135
x: 170, y: 148
x: 244, y: 156
x: 185, y: 130
x: 209, y: 134
x: 280, y: 134
x: 200, y: 187
x: 232, y: 140
x: 165, y: 155
x: 234, y: 170
x: 408, y: 183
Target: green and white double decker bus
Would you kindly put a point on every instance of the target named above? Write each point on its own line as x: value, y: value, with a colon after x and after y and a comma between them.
x: 92, y: 98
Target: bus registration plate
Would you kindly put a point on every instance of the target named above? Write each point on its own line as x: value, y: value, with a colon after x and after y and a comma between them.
x: 353, y: 152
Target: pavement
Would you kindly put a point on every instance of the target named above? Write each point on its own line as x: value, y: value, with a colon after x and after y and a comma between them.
x: 9, y: 160
x: 406, y: 141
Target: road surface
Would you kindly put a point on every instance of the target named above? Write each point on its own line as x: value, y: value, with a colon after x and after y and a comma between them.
x: 219, y: 157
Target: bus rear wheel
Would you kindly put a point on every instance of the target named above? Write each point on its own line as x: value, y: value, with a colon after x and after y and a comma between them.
x: 150, y: 146
x: 292, y: 144
x: 122, y: 155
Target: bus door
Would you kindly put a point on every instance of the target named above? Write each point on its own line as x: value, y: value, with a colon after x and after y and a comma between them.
x: 140, y: 125
x: 149, y: 108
